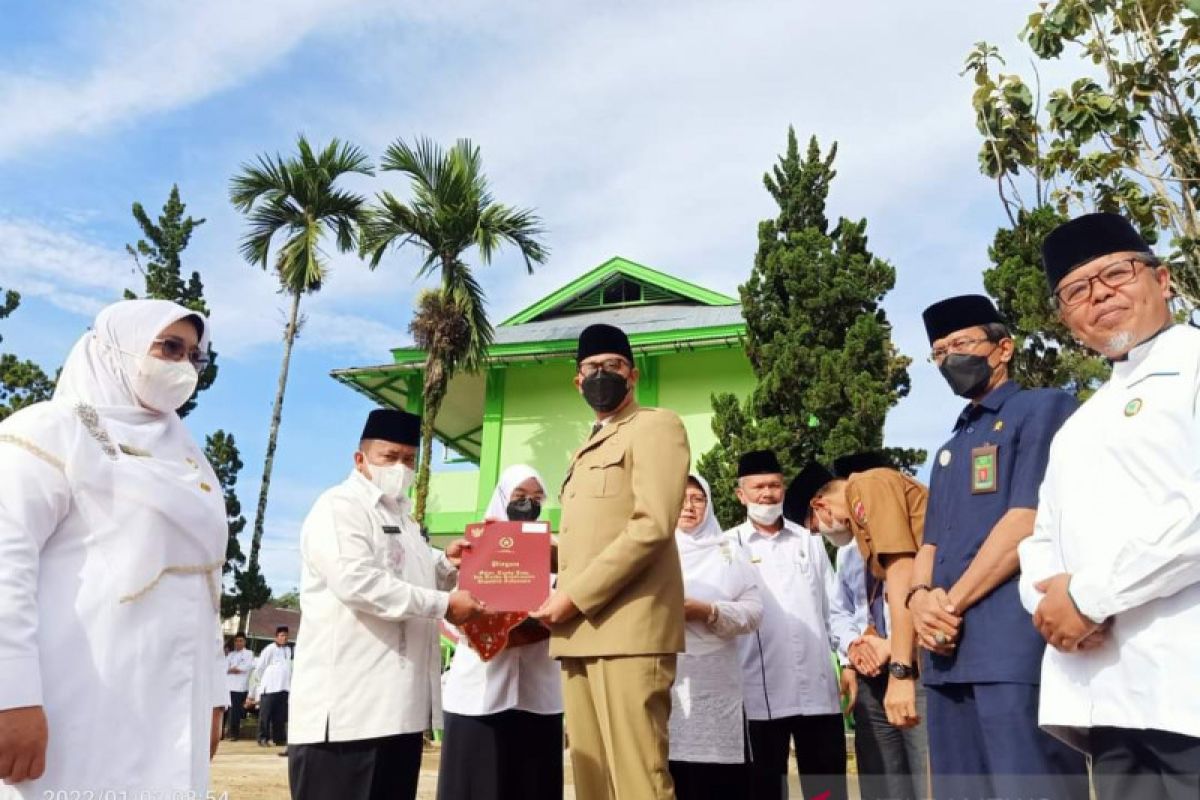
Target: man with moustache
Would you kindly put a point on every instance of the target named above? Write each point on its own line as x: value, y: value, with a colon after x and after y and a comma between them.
x: 1112, y: 571
x: 615, y: 617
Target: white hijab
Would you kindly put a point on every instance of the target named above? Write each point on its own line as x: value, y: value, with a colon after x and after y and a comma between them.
x: 713, y: 571
x: 146, y: 492
x: 510, y: 479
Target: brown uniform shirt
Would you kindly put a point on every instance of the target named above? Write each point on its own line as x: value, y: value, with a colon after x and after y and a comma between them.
x: 887, y: 514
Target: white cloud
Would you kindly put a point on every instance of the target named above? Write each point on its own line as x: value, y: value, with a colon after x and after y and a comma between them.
x: 81, y: 277
x: 153, y: 57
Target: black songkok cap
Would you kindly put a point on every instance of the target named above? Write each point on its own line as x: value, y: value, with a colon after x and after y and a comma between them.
x: 600, y: 338
x: 1077, y: 242
x: 803, y: 489
x: 390, y: 425
x: 281, y: 629
x: 758, y: 462
x: 955, y: 313
x: 846, y: 466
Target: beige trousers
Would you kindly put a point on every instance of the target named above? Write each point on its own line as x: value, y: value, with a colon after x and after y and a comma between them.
x: 616, y: 710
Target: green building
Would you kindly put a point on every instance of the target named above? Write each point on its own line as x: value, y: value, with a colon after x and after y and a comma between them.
x: 523, y: 407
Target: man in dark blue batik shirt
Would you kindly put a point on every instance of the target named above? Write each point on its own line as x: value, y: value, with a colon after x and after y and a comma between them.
x: 984, y: 656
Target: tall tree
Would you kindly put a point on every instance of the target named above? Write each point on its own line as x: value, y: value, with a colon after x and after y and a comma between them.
x: 1046, y: 353
x: 295, y: 199
x: 817, y: 337
x: 158, y: 257
x: 22, y: 382
x: 162, y: 248
x: 451, y: 211
x: 1127, y: 140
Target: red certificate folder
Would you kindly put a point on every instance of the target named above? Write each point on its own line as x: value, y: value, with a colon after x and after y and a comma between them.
x: 507, y: 566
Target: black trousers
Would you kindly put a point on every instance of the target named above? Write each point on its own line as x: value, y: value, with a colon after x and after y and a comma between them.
x: 387, y: 768
x: 820, y: 742
x: 698, y: 780
x: 512, y: 755
x: 1129, y: 764
x: 892, y: 762
x: 235, y: 714
x: 272, y: 717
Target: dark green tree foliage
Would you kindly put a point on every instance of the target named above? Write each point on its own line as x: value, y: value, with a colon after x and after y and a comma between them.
x: 22, y: 382
x: 817, y: 338
x: 1046, y: 354
x: 159, y: 258
x: 221, y: 451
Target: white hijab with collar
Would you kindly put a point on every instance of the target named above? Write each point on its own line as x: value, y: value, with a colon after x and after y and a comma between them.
x: 510, y: 479
x: 711, y: 572
x: 147, y: 493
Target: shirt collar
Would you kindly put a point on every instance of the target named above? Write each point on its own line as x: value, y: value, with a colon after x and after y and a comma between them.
x: 992, y: 401
x: 1138, y: 352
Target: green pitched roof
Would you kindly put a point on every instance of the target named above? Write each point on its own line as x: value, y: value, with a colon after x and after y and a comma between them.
x: 617, y: 283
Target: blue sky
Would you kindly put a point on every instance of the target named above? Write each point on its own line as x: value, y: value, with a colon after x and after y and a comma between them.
x: 636, y: 129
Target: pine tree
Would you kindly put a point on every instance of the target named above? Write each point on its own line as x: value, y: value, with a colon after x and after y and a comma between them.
x: 817, y: 337
x: 159, y: 257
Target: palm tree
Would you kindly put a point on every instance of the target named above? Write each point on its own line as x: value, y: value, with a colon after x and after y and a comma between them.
x: 295, y: 197
x: 451, y: 211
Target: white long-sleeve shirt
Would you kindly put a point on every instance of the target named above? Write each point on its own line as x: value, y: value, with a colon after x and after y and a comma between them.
x: 1119, y: 511
x: 787, y: 667
x: 372, y: 593
x: 272, y: 670
x: 128, y: 687
x: 243, y: 661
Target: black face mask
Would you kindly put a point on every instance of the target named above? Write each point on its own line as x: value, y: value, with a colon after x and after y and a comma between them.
x: 604, y: 391
x: 967, y: 374
x: 524, y: 510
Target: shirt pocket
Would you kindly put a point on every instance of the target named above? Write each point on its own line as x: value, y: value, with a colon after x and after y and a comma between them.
x: 606, y: 475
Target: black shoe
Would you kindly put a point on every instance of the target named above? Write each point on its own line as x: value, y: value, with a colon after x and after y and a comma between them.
x: 282, y: 753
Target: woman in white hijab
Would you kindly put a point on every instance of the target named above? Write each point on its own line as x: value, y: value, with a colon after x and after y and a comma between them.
x: 112, y: 538
x: 722, y: 601
x: 504, y: 717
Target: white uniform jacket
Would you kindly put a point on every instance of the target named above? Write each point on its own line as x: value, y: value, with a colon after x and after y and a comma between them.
x: 1120, y: 512
x: 367, y: 658
x: 787, y: 664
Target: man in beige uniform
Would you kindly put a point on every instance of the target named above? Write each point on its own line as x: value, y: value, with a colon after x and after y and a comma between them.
x: 616, y: 617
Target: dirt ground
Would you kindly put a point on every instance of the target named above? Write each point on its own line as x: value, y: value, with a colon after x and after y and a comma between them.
x: 244, y: 771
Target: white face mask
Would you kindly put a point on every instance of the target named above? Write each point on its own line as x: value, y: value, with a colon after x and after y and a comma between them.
x: 393, y: 481
x: 164, y: 386
x: 764, y: 514
x: 836, y: 533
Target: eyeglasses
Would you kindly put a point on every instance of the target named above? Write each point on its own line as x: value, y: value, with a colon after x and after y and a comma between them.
x: 175, y: 349
x: 960, y: 345
x: 695, y: 500
x: 1113, y: 276
x: 611, y: 365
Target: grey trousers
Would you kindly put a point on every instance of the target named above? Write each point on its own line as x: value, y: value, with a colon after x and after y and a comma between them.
x: 892, y: 763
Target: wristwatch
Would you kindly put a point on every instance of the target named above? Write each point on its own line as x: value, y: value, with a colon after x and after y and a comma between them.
x: 903, y: 672
x: 712, y: 616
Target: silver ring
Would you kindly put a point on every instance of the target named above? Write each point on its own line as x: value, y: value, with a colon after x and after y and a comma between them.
x: 940, y: 638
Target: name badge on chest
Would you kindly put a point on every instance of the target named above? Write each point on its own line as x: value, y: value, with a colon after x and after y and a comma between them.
x: 984, y: 479
x: 391, y: 530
